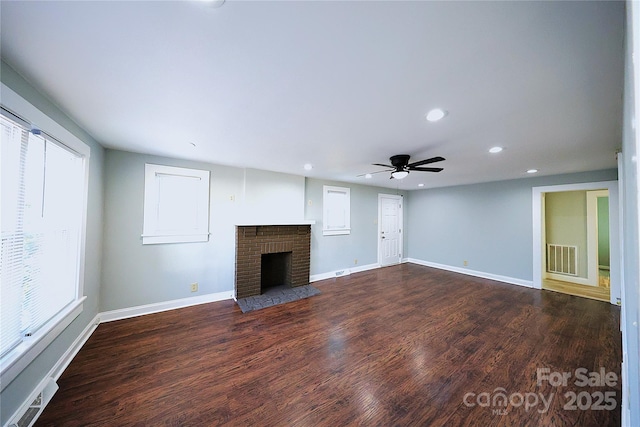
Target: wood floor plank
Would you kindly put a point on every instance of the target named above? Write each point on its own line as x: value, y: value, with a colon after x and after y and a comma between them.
x: 401, y: 345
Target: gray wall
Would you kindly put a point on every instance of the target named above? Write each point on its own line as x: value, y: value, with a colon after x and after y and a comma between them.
x: 630, y: 233
x: 136, y: 274
x: 566, y: 223
x: 603, y: 232
x: 18, y: 390
x: 331, y: 253
x: 489, y: 225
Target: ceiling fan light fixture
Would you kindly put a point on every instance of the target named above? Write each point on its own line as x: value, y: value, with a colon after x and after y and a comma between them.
x: 368, y: 176
x: 399, y: 174
x: 436, y: 114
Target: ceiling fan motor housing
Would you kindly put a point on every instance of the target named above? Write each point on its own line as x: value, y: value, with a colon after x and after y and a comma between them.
x: 400, y: 161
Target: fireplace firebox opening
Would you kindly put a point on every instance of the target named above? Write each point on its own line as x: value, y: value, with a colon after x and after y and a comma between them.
x: 253, y: 241
x: 275, y: 270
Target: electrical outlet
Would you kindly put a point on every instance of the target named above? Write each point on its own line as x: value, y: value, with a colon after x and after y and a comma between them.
x: 355, y: 261
x: 310, y: 202
x: 194, y: 287
x: 465, y: 263
x: 232, y: 197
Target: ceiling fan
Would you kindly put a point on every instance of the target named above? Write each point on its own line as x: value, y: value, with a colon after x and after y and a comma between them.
x: 400, y: 166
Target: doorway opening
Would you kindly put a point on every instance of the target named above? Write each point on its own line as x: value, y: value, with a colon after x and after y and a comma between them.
x: 575, y: 240
x: 574, y: 236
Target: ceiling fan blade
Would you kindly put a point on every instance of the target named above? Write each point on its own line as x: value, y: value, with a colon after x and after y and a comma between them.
x: 426, y: 169
x: 386, y: 166
x: 372, y: 173
x: 426, y: 161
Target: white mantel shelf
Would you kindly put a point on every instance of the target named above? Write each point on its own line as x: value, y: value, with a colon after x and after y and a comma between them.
x: 263, y: 224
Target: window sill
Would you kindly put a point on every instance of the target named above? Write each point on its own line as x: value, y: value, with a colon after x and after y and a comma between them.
x: 336, y: 232
x: 156, y: 239
x: 20, y: 357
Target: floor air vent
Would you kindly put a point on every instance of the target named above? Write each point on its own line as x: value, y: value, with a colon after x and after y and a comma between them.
x: 29, y: 413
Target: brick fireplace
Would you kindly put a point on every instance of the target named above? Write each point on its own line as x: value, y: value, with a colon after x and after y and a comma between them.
x: 253, y: 242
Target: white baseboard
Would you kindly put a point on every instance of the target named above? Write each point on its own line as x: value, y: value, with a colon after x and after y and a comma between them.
x: 469, y: 272
x: 71, y: 352
x: 342, y: 272
x: 141, y: 310
x: 48, y: 382
x: 108, y: 316
x: 366, y: 267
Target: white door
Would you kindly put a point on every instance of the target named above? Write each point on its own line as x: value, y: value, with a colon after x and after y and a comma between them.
x: 389, y: 229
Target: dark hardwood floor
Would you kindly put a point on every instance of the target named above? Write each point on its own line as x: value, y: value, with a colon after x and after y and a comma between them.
x: 400, y: 346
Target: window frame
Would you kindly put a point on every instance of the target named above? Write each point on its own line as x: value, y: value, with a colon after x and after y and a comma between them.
x: 330, y: 229
x: 15, y: 361
x: 151, y: 234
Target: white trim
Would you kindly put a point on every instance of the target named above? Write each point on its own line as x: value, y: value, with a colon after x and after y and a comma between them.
x: 336, y: 232
x: 365, y: 267
x: 141, y: 310
x: 332, y: 229
x: 48, y: 388
x: 108, y: 316
x: 14, y: 362
x: 342, y: 272
x: 57, y: 370
x: 269, y: 223
x: 400, y: 200
x: 325, y: 276
x: 592, y: 236
x: 175, y: 238
x: 40, y: 120
x: 614, y: 230
x: 624, y: 367
x: 25, y: 353
x: 178, y: 233
x: 468, y: 272
x: 71, y: 352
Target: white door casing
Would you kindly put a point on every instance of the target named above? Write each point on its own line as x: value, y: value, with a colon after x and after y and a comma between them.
x: 614, y: 233
x: 390, y: 222
x: 592, y: 235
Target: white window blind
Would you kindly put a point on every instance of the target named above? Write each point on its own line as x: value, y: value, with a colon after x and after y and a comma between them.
x: 42, y: 215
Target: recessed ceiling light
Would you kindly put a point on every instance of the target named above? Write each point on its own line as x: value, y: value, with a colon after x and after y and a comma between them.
x: 420, y: 185
x: 308, y: 166
x: 368, y: 176
x: 436, y: 114
x: 495, y: 150
x: 532, y: 171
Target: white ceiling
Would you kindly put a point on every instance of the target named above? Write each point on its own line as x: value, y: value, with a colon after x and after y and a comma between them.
x: 339, y: 84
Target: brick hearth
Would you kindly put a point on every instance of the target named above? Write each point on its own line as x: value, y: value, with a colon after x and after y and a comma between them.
x: 255, y: 240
